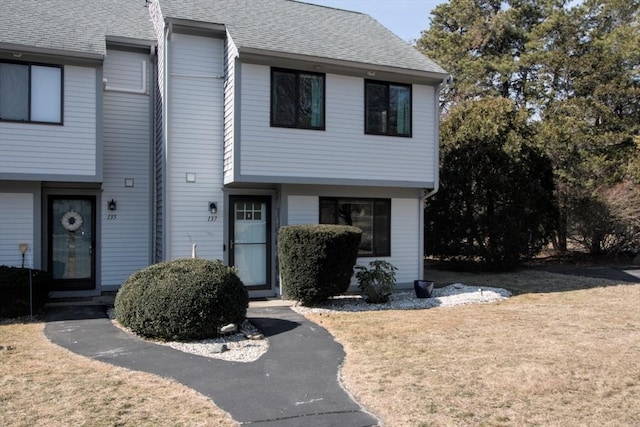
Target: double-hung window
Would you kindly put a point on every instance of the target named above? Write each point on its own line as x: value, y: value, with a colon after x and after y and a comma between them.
x: 297, y: 99
x: 372, y: 216
x: 387, y: 108
x: 30, y: 92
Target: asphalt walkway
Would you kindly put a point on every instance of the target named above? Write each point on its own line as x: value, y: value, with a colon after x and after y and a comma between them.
x: 294, y: 384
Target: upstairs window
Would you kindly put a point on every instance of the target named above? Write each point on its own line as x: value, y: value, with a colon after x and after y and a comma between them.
x: 30, y: 93
x: 297, y: 99
x: 387, y: 108
x: 372, y: 216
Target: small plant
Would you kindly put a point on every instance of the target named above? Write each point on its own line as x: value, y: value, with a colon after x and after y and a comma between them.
x: 377, y: 281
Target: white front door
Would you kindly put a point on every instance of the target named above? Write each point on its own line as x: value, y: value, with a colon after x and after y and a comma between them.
x: 250, y: 240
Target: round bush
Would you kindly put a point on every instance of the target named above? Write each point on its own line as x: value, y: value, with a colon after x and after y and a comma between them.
x: 184, y: 299
x: 316, y: 261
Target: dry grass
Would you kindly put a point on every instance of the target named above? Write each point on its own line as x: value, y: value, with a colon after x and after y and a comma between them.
x: 42, y: 384
x: 560, y: 358
x: 519, y: 282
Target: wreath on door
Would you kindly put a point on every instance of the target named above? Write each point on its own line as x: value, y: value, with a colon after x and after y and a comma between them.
x: 71, y: 220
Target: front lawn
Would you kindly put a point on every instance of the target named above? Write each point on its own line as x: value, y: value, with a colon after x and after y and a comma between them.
x: 556, y: 358
x: 42, y: 384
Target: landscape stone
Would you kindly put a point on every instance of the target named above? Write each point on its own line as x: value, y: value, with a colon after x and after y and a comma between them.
x: 217, y: 348
x: 228, y: 329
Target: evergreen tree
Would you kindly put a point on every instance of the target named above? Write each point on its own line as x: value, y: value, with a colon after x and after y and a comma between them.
x: 576, y: 70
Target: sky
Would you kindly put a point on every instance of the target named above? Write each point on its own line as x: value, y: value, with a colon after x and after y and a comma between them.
x: 406, y: 18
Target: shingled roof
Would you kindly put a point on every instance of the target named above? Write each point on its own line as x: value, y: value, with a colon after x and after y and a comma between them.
x: 305, y: 29
x: 80, y: 28
x: 72, y: 27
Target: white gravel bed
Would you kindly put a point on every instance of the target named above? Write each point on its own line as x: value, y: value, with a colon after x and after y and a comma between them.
x: 455, y: 294
x: 241, y: 349
x: 238, y: 347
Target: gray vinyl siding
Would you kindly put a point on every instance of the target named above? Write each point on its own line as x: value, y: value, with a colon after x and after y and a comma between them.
x: 158, y: 133
x: 303, y: 210
x: 229, y: 108
x: 126, y: 232
x: 49, y: 152
x: 302, y: 207
x: 342, y: 151
x: 195, y: 145
x: 16, y: 226
x: 406, y: 252
x: 158, y: 165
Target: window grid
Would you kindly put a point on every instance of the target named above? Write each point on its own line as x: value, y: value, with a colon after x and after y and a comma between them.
x: 297, y: 99
x: 372, y: 216
x: 30, y: 113
x: 249, y: 211
x: 388, y: 108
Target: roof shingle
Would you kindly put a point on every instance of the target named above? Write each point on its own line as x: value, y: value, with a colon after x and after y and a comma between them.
x: 306, y: 29
x: 286, y: 26
x: 73, y: 26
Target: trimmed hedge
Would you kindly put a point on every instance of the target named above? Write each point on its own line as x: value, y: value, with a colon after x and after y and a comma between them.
x: 184, y: 299
x: 316, y: 261
x: 14, y: 291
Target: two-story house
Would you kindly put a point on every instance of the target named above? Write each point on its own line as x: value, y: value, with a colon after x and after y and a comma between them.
x: 133, y: 132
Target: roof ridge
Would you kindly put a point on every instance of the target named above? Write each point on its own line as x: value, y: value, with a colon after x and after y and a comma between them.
x: 327, y: 7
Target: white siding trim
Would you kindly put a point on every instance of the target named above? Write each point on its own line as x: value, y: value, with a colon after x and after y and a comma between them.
x: 142, y: 90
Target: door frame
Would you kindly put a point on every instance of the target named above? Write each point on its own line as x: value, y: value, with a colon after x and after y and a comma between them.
x: 269, y: 242
x: 72, y: 285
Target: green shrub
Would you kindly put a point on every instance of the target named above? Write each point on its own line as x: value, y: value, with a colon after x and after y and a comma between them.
x: 376, y: 282
x: 316, y: 261
x: 184, y: 299
x: 14, y: 291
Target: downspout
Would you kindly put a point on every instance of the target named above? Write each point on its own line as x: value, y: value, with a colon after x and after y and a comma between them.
x: 436, y: 168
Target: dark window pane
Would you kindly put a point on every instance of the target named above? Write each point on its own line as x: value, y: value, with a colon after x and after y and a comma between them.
x: 362, y: 217
x: 14, y: 92
x: 283, y: 99
x: 328, y: 211
x: 382, y: 230
x: 304, y: 114
x: 372, y: 216
x: 399, y: 110
x: 376, y: 108
x: 312, y: 100
x: 297, y: 100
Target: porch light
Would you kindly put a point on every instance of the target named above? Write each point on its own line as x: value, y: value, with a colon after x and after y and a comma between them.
x: 112, y: 206
x: 24, y: 247
x: 213, y: 207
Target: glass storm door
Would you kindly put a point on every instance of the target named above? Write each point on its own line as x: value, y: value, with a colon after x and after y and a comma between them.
x: 250, y: 240
x: 71, y: 242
